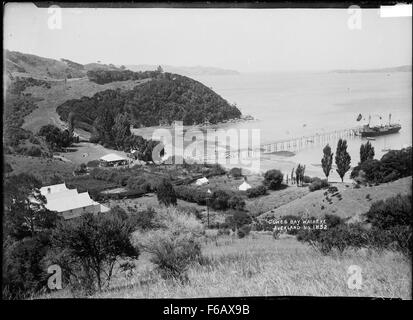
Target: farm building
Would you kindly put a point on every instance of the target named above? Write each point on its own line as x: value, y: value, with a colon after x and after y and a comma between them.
x: 244, y: 186
x: 113, y: 160
x: 68, y: 202
x: 201, y: 181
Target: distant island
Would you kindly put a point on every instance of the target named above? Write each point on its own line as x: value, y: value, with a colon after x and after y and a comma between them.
x: 405, y: 68
x: 184, y: 71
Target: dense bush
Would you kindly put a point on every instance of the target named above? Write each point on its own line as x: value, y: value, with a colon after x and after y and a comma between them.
x: 191, y: 194
x: 318, y: 184
x: 236, y: 219
x: 236, y: 172
x: 396, y: 211
x: 273, y: 179
x: 394, y: 165
x: 243, y: 231
x: 56, y: 138
x: 236, y: 202
x: 165, y: 193
x: 138, y: 184
x: 163, y: 99
x: 257, y: 191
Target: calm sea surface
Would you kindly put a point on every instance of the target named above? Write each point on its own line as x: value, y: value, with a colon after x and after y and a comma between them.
x: 289, y: 105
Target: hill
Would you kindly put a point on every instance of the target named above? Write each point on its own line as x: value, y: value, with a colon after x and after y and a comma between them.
x: 405, y: 68
x: 184, y: 70
x: 353, y: 201
x: 165, y: 98
x: 25, y: 65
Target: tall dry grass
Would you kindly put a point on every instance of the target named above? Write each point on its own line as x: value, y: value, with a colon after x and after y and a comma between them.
x: 261, y: 266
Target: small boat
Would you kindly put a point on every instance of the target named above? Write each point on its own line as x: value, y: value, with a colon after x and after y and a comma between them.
x: 370, y: 138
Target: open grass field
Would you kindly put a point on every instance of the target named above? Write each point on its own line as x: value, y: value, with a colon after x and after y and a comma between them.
x: 274, y: 199
x: 353, y: 201
x: 83, y: 152
x: 258, y: 265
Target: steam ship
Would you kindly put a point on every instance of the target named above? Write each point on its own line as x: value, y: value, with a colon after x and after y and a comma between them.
x: 379, y: 130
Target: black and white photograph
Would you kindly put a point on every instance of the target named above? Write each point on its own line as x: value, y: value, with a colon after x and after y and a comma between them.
x: 205, y: 150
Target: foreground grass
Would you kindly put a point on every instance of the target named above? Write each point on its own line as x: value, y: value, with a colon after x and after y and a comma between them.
x: 261, y: 266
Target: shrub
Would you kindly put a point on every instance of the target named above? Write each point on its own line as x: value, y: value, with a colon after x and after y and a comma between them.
x: 93, y: 164
x: 394, y: 165
x: 166, y: 193
x: 191, y: 194
x: 236, y: 202
x: 307, y: 179
x: 219, y: 200
x: 256, y: 191
x: 34, y: 151
x: 237, y: 219
x: 223, y: 231
x: 243, y: 231
x: 144, y: 220
x: 174, y: 245
x: 236, y: 172
x: 393, y: 212
x: 273, y: 179
x: 318, y: 184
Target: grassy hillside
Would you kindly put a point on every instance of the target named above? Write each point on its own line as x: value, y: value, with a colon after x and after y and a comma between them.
x: 42, y: 67
x: 59, y: 93
x: 42, y: 168
x: 353, y: 201
x: 261, y: 266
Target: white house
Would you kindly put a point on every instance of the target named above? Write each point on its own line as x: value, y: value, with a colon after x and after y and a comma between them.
x: 112, y: 160
x: 201, y: 181
x: 68, y: 202
x: 244, y: 186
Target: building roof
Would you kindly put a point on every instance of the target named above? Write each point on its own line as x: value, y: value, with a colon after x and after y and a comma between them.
x: 202, y: 181
x: 244, y: 186
x: 61, y: 195
x: 112, y: 157
x: 62, y: 204
x: 53, y: 189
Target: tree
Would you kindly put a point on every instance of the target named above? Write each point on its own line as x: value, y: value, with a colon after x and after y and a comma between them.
x: 236, y: 172
x: 121, y: 130
x: 90, y: 246
x: 238, y: 219
x: 219, y: 200
x: 103, y: 124
x: 366, y: 152
x: 56, y: 138
x: 343, y: 159
x: 159, y: 69
x: 236, y: 202
x: 152, y: 151
x: 273, y: 179
x: 25, y: 213
x: 23, y: 270
x: 327, y: 160
x: 71, y: 122
x: 299, y: 174
x: 166, y: 193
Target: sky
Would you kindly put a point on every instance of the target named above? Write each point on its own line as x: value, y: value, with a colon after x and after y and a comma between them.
x: 247, y: 40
